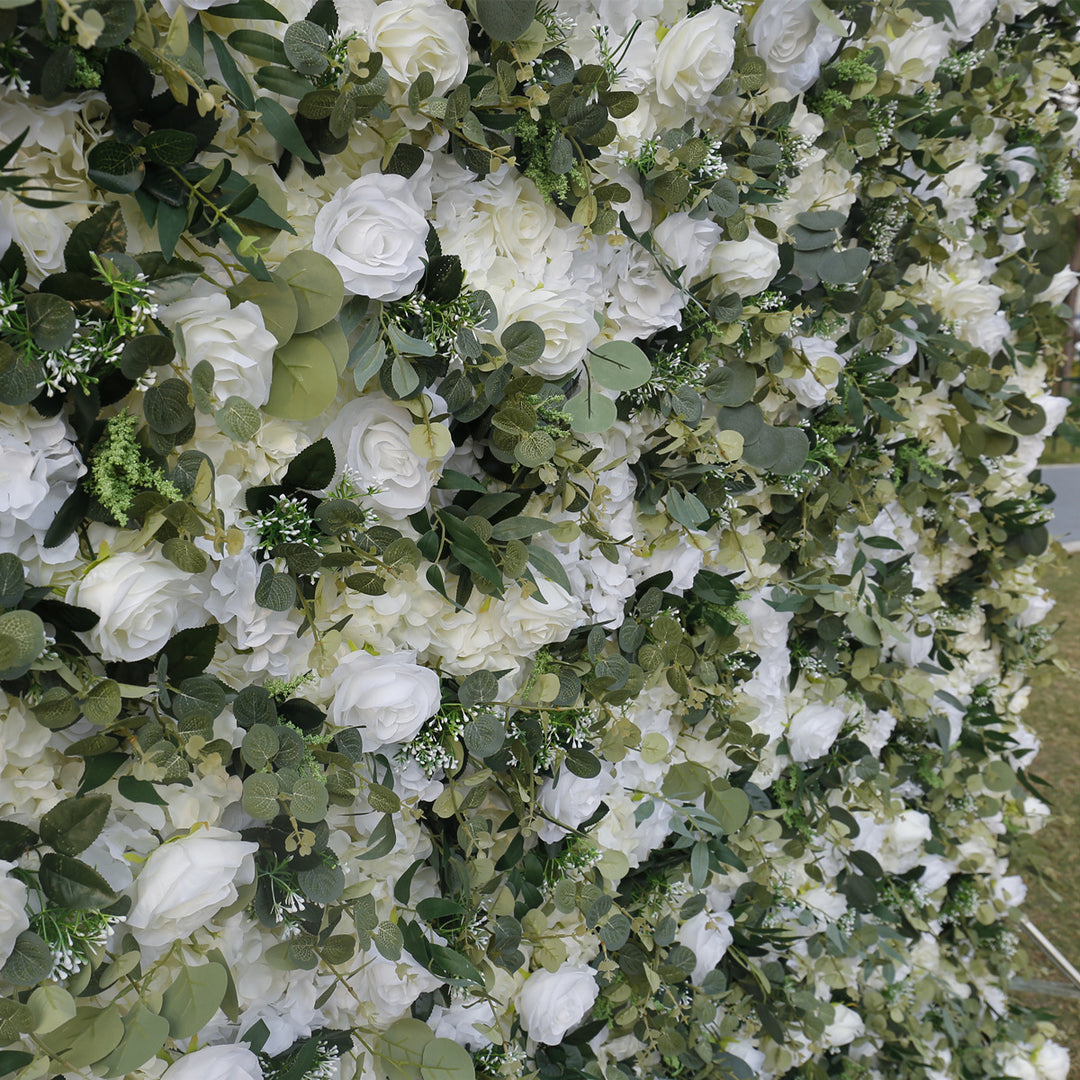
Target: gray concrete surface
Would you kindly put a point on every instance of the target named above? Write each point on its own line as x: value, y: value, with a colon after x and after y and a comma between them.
x: 1064, y: 480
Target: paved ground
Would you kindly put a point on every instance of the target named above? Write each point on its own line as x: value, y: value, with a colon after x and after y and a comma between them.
x: 1065, y: 481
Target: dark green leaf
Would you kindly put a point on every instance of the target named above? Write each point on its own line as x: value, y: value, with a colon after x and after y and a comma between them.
x: 73, y: 884
x: 72, y: 825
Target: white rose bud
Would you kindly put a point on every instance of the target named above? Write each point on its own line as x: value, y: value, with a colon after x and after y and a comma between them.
x: 387, y: 698
x: 216, y: 1063
x: 371, y: 436
x: 13, y: 920
x: 374, y: 232
x: 695, y: 57
x: 233, y: 341
x: 552, y: 1002
x: 792, y: 41
x: 142, y: 600
x: 186, y: 882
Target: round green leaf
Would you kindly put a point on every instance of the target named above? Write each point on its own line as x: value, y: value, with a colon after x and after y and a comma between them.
x: 171, y: 147
x: 57, y: 708
x: 536, y: 448
x: 478, y: 686
x: 321, y: 884
x: 239, y: 419
x: 30, y: 962
x: 400, y: 1049
x: 90, y: 1036
x: 619, y: 365
x: 260, y: 797
x: 505, y: 20
x: 275, y: 591
x: 275, y: 299
x: 782, y: 451
x: 591, y: 412
x: 523, y: 342
x: 732, y: 385
x: 444, y: 1059
x: 305, y: 380
x: 309, y: 801
x: 20, y: 379
x: 483, y: 735
x: 184, y: 555
x: 259, y: 746
x: 166, y: 407
x: 316, y: 286
x: 51, y: 321
x: 306, y: 44
x: 22, y: 641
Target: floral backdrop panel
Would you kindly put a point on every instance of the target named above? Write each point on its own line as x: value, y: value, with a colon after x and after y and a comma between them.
x: 520, y: 534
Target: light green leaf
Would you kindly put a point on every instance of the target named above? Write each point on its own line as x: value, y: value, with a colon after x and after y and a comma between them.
x: 101, y: 703
x: 275, y: 299
x: 190, y: 1002
x: 316, y: 285
x: 22, y: 641
x: 619, y: 365
x: 305, y: 380
x: 90, y: 1036
x: 400, y: 1050
x: 239, y: 419
x: 144, y: 1035
x: 52, y: 1006
x: 259, y: 746
x: 444, y: 1059
x: 591, y: 412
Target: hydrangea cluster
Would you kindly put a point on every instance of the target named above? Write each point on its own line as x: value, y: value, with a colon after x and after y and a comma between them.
x: 519, y: 534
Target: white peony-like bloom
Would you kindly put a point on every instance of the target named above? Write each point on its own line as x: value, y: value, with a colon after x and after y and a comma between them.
x: 695, y: 57
x: 387, y: 698
x: 233, y: 1062
x: 371, y: 437
x: 707, y: 935
x: 744, y: 266
x: 374, y: 231
x: 792, y: 41
x: 13, y: 919
x: 186, y: 882
x: 142, y: 600
x: 233, y: 341
x: 552, y: 1002
x: 813, y: 729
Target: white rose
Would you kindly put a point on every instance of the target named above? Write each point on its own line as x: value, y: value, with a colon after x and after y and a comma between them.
x: 552, y: 1002
x: 813, y: 729
x: 792, y: 41
x: 744, y: 266
x: 420, y: 35
x: 688, y: 243
x: 387, y: 697
x: 371, y: 436
x: 641, y: 300
x: 375, y: 232
x: 40, y: 232
x: 233, y: 341
x: 386, y: 989
x: 566, y: 318
x: 142, y: 600
x: 186, y: 882
x: 13, y: 919
x: 695, y: 57
x: 530, y: 624
x: 231, y: 1062
x: 847, y: 1026
x: 572, y: 799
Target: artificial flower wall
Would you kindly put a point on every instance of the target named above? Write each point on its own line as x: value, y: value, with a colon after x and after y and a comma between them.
x: 519, y: 534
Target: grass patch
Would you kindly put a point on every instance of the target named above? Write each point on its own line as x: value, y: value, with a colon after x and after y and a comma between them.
x: 1054, y: 713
